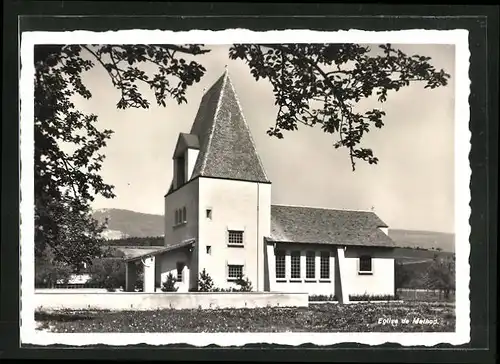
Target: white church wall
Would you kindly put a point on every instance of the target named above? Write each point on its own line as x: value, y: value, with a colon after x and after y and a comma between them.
x: 168, y: 264
x: 380, y: 281
x: 185, y: 197
x: 234, y: 205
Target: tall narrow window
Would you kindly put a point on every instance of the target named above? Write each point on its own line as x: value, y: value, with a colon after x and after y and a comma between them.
x: 180, y: 269
x: 184, y: 217
x: 209, y: 214
x: 365, y: 264
x: 280, y: 264
x: 295, y: 265
x: 310, y: 265
x: 325, y: 265
x: 181, y: 171
x: 235, y: 238
x: 176, y: 217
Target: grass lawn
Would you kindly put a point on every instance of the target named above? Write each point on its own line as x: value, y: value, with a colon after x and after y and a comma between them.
x: 328, y: 317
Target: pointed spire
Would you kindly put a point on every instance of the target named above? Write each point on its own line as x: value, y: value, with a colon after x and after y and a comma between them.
x: 227, y: 149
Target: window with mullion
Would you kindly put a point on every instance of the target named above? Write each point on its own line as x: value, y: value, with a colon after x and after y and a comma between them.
x: 295, y: 265
x: 280, y: 265
x: 325, y: 265
x: 310, y: 265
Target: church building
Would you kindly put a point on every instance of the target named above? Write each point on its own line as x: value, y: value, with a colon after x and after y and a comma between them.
x: 219, y: 217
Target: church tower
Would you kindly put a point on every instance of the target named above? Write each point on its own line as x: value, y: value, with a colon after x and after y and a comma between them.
x: 220, y: 195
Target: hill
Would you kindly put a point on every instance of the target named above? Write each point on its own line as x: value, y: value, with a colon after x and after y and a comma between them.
x: 429, y: 240
x: 126, y: 223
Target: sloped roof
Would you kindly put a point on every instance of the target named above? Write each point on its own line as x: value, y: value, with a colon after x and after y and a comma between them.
x: 227, y: 149
x: 161, y: 250
x: 327, y: 226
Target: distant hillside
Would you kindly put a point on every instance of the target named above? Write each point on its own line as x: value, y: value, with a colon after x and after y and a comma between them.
x: 126, y: 223
x: 429, y: 240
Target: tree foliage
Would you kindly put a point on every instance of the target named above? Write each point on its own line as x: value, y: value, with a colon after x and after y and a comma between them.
x: 441, y: 275
x: 141, y: 241
x: 108, y: 273
x: 321, y: 84
x: 68, y: 142
x: 402, y: 274
x: 313, y: 84
x: 48, y: 271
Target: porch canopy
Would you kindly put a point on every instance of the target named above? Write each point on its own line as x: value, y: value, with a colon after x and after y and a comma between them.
x: 148, y: 260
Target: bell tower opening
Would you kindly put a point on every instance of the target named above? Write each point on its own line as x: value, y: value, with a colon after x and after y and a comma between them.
x: 181, y: 170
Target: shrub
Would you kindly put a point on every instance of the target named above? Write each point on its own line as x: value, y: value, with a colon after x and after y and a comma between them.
x: 367, y: 297
x: 205, y: 282
x: 49, y: 272
x: 323, y: 298
x: 244, y: 284
x: 139, y: 284
x: 169, y: 284
x: 109, y: 273
x: 364, y: 297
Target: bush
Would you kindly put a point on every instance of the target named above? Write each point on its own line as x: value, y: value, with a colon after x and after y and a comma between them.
x: 322, y: 298
x: 367, y: 297
x: 109, y: 273
x: 205, y: 282
x: 364, y: 297
x: 49, y: 272
x: 245, y: 284
x: 169, y: 284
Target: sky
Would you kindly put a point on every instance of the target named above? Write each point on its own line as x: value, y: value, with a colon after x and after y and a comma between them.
x: 411, y: 187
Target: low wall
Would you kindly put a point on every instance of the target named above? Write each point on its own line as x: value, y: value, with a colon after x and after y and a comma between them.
x: 161, y: 300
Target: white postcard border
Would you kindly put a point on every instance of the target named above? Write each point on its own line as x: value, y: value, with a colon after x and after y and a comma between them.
x: 458, y: 37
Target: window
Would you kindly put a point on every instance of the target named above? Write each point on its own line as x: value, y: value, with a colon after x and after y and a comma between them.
x: 235, y: 237
x: 209, y: 249
x: 295, y: 262
x: 310, y: 265
x: 209, y: 214
x: 180, y: 268
x: 180, y: 216
x: 365, y: 264
x: 325, y: 265
x: 280, y: 264
x: 234, y: 272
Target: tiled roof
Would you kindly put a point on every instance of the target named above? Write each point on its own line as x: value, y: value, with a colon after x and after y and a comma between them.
x: 227, y: 149
x: 327, y: 226
x: 154, y: 252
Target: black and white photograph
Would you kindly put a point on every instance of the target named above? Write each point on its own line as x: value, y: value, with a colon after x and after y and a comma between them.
x: 233, y: 187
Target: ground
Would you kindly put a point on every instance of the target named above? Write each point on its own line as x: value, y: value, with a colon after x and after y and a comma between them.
x: 326, y: 317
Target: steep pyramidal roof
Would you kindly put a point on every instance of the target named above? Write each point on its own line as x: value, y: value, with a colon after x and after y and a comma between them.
x: 226, y: 147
